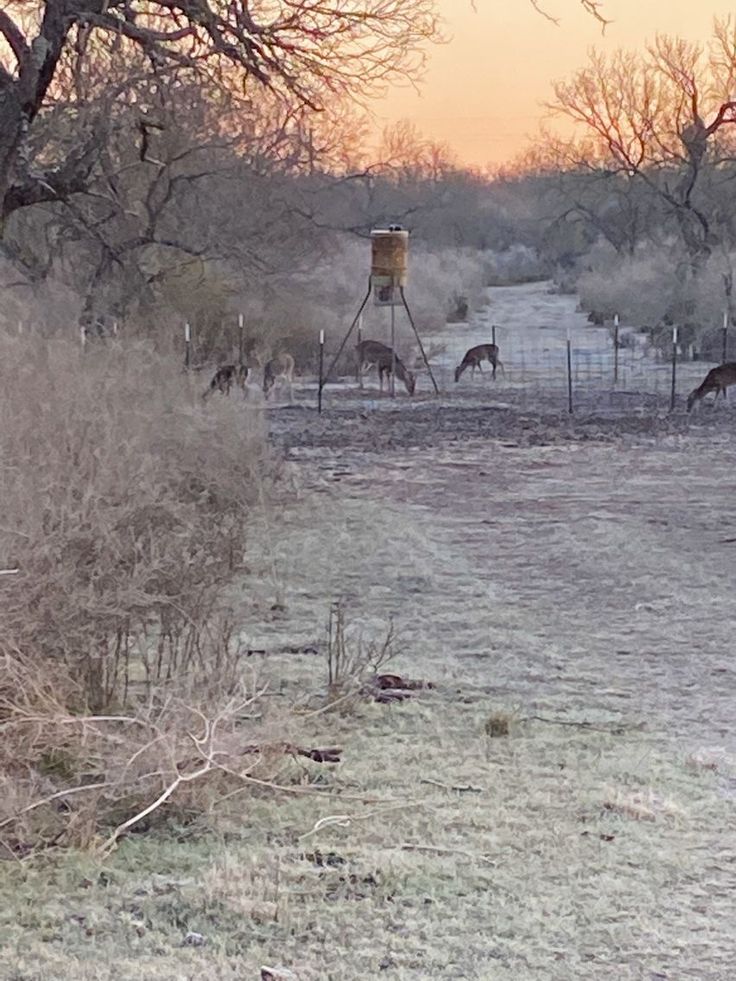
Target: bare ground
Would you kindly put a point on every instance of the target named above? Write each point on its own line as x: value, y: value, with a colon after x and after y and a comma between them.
x: 573, y: 575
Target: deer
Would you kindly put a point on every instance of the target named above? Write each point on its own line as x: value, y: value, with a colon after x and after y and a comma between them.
x: 279, y: 367
x: 717, y: 380
x: 371, y: 353
x: 473, y: 358
x: 225, y: 377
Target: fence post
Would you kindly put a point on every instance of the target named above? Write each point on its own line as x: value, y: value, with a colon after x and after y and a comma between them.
x: 493, y: 334
x: 569, y: 373
x: 83, y: 336
x: 674, y: 369
x: 187, y: 346
x: 241, y: 328
x: 321, y: 371
x: 615, y: 349
x: 724, y: 352
x: 393, y: 346
x: 359, y: 369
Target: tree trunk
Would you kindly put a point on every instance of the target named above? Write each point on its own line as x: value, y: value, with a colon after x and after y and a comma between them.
x: 11, y: 119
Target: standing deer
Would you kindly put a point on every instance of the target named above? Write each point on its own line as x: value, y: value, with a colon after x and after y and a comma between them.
x: 279, y: 367
x: 717, y: 380
x: 225, y: 377
x: 374, y: 353
x: 473, y: 358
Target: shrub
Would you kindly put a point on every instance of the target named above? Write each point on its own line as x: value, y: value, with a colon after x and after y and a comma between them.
x: 125, y: 507
x: 643, y: 290
x: 518, y: 264
x: 125, y: 502
x: 654, y: 290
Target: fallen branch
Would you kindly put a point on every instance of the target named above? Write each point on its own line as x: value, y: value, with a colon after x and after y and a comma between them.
x: 329, y: 754
x: 59, y: 795
x: 441, y: 850
x: 469, y: 789
x: 110, y: 843
x: 389, y: 681
x: 344, y: 820
x: 615, y: 730
x: 386, y: 688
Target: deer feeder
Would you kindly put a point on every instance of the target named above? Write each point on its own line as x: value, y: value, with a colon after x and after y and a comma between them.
x: 389, y: 261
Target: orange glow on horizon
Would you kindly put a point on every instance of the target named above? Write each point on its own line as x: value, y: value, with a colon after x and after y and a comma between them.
x: 483, y: 92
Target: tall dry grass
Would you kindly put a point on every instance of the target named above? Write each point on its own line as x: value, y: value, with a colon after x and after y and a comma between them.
x: 125, y: 504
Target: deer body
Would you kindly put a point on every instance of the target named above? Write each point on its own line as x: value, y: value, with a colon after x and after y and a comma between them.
x: 225, y: 377
x: 717, y: 380
x: 374, y: 353
x: 279, y: 367
x: 473, y: 358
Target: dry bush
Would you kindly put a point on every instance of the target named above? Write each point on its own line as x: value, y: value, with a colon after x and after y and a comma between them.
x: 38, y: 305
x: 498, y: 724
x: 644, y: 289
x: 124, y: 507
x: 126, y: 503
x: 517, y: 264
x: 653, y: 290
x: 351, y: 658
x: 89, y: 780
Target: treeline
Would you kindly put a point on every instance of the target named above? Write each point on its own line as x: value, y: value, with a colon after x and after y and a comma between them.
x: 176, y: 196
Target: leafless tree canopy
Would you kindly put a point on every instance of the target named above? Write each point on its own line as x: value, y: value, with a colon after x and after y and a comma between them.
x: 659, y: 118
x: 303, y: 50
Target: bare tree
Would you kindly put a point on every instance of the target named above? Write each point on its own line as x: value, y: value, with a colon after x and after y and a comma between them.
x: 660, y: 119
x: 300, y: 49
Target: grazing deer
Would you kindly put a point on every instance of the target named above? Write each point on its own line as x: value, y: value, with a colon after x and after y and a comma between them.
x: 374, y: 353
x: 473, y: 358
x: 717, y: 380
x: 225, y: 377
x: 280, y: 367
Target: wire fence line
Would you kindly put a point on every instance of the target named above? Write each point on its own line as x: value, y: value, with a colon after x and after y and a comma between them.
x: 602, y: 361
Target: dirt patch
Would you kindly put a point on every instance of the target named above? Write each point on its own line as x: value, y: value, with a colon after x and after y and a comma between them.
x: 504, y: 414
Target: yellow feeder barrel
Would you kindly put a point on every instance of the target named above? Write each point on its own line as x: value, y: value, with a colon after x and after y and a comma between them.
x: 389, y: 264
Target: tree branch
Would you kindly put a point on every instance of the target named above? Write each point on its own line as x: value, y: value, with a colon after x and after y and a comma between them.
x: 14, y: 36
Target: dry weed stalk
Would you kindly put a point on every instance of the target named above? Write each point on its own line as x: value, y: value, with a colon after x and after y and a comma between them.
x: 351, y: 660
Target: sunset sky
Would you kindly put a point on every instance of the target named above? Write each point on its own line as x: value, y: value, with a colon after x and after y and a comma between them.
x: 482, y: 91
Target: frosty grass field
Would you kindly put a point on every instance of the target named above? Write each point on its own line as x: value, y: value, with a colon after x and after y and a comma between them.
x: 568, y: 580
